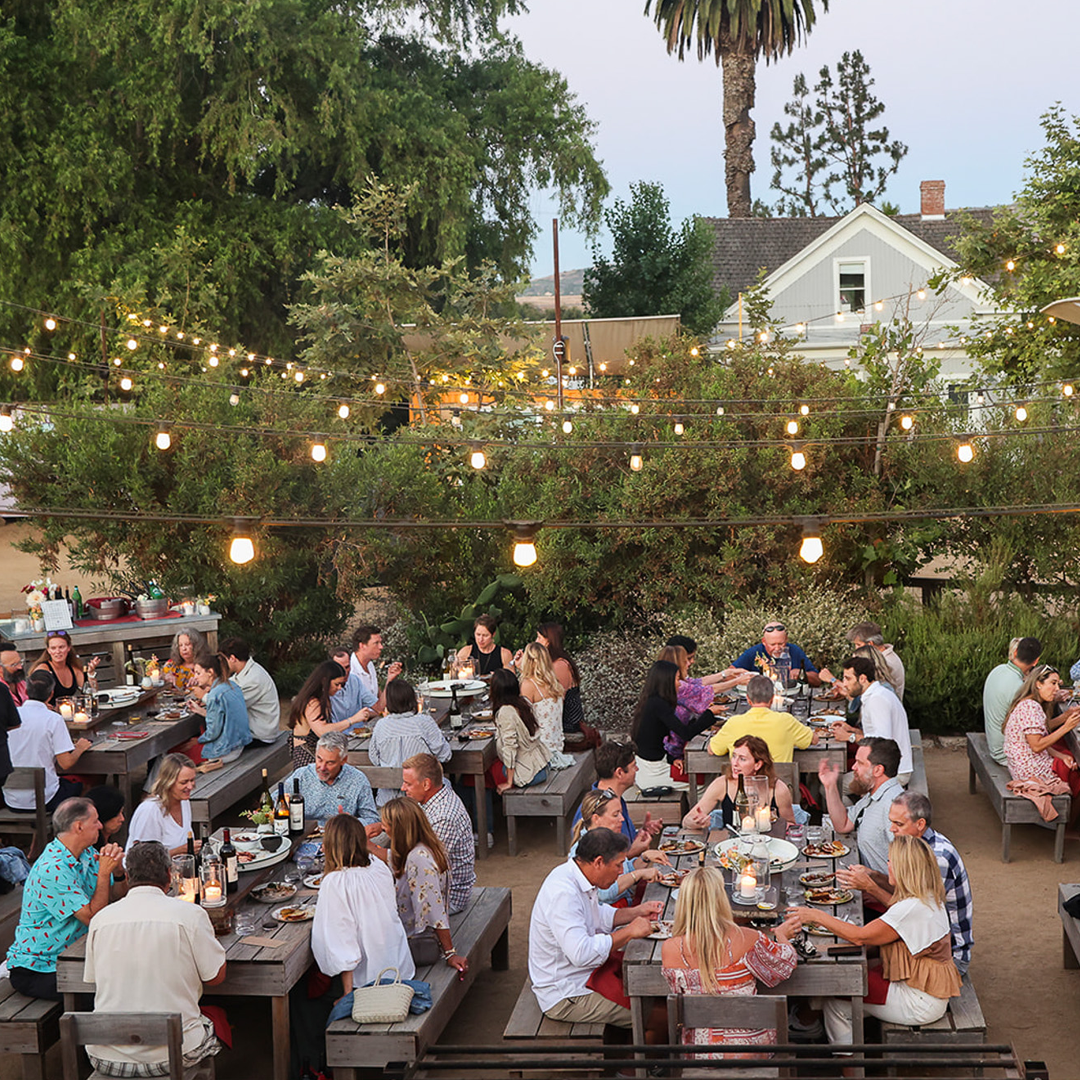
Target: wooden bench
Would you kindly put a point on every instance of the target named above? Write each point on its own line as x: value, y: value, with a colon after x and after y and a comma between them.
x: 1011, y: 809
x: 480, y: 930
x: 918, y: 781
x: 963, y: 1022
x: 558, y: 797
x: 215, y: 792
x: 10, y: 909
x: 36, y: 823
x: 528, y: 1022
x: 670, y: 808
x: 28, y: 1026
x: 1070, y: 928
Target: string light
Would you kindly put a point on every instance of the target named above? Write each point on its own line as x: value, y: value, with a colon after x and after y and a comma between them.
x: 7, y: 422
x: 524, y: 541
x: 132, y: 344
x: 793, y: 427
x: 812, y: 548
x: 242, y: 549
x: 50, y: 323
x: 635, y: 408
x: 965, y: 452
x: 126, y: 383
x: 1067, y: 390
x: 380, y: 388
x: 477, y: 459
x: 343, y: 411
x: 163, y: 440
x: 804, y: 410
x: 1021, y: 413
x: 213, y: 361
x: 1010, y: 265
x: 299, y: 376
x: 17, y: 363
x: 464, y: 399
x: 117, y: 362
x: 921, y: 294
x: 1060, y: 249
x: 798, y: 458
x: 318, y: 451
x: 679, y: 429
x: 907, y: 422
x: 636, y: 459
x: 567, y: 427
x: 234, y: 399
x: 719, y: 410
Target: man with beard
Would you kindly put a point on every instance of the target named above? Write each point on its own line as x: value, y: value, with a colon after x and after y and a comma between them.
x: 877, y: 762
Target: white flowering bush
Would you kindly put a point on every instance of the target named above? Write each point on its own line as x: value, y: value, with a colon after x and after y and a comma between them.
x: 612, y: 665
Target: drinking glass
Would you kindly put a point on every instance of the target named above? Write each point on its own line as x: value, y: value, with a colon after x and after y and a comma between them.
x: 292, y: 875
x: 815, y: 835
x: 795, y: 833
x: 247, y: 922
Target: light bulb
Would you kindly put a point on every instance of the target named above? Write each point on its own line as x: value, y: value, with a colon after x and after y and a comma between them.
x: 147, y: 322
x: 719, y: 410
x: 343, y: 411
x: 792, y: 427
x: 635, y: 408
x: 1067, y: 389
x: 132, y: 344
x: 1021, y: 413
x: 213, y: 361
x: 244, y: 373
x: 549, y: 405
x: 636, y: 462
x: 125, y: 383
x: 1010, y: 265
x: 571, y: 371
x: 879, y: 306
x: 117, y: 362
x: 906, y: 422
x: 524, y: 553
x: 464, y: 399
x: 241, y: 550
x: 695, y: 351
x: 804, y: 410
x: 603, y: 367
x: 1060, y: 249
x: 812, y: 548
x: 6, y: 420
x: 921, y: 294
x: 16, y: 363
x: 965, y: 452
x: 163, y: 440
x: 477, y: 459
x: 299, y: 376
x: 567, y: 427
x: 380, y: 388
x: 798, y: 460
x: 679, y: 429
x: 318, y: 451
x: 234, y: 399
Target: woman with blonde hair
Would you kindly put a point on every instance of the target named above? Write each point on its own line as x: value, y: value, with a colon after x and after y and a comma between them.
x: 165, y: 814
x: 709, y: 954
x: 421, y: 872
x: 1032, y: 751
x: 542, y: 689
x: 917, y: 975
x: 356, y: 932
x: 750, y: 757
x: 601, y: 809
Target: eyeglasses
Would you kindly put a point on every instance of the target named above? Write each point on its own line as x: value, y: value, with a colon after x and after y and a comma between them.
x: 774, y: 626
x: 605, y: 793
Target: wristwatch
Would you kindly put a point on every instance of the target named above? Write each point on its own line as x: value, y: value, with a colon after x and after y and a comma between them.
x: 852, y: 737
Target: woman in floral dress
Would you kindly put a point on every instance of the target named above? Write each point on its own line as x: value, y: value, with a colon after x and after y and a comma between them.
x: 709, y: 954
x: 422, y: 878
x: 1033, y: 752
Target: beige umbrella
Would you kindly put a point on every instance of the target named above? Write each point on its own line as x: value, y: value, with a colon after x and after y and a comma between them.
x: 1068, y: 310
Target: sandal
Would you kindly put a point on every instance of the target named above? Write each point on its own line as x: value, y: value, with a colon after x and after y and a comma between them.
x: 211, y: 765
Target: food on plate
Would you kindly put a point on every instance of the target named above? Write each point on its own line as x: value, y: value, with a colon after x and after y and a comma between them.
x: 681, y: 845
x: 829, y: 896
x: 732, y: 859
x: 723, y: 699
x: 829, y: 712
x: 829, y: 849
x: 314, y: 881
x: 273, y: 892
x: 245, y: 838
x: 294, y: 914
x: 662, y: 929
x: 480, y: 733
x: 816, y: 930
x: 245, y: 856
x: 672, y: 878
x: 822, y: 879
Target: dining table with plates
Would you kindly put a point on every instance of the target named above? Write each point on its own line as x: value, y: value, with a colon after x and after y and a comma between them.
x: 797, y: 874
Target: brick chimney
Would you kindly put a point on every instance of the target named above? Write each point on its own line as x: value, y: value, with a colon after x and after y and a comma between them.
x: 933, y: 199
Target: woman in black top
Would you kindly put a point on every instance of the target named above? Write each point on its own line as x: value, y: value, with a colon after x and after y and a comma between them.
x: 69, y: 675
x: 653, y: 719
x: 487, y: 657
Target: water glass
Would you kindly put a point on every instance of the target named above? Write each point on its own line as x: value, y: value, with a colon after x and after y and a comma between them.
x: 815, y: 835
x: 247, y: 922
x: 795, y: 834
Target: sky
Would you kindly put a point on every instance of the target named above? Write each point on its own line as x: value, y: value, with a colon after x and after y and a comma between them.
x: 963, y: 81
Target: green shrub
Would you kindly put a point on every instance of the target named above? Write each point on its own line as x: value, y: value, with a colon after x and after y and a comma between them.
x: 613, y: 665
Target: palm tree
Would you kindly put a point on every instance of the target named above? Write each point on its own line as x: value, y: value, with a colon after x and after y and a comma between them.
x: 736, y: 32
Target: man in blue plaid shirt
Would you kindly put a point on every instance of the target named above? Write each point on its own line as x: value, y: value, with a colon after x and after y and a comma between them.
x: 910, y: 815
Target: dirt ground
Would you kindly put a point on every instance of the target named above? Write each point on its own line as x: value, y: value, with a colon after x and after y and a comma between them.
x: 1026, y: 995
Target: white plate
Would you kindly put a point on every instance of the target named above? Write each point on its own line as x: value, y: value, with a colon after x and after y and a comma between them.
x: 465, y: 687
x: 309, y: 914
x: 285, y: 892
x: 782, y: 853
x: 263, y: 858
x: 313, y: 881
x: 117, y: 697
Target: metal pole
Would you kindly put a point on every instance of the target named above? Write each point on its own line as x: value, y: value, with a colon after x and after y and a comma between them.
x: 558, y: 350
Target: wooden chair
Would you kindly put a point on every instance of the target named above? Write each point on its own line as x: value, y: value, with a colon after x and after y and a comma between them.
x: 122, y: 1029
x: 39, y: 823
x: 716, y: 1011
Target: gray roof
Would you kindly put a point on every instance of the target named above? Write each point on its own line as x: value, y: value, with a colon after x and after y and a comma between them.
x: 744, y: 245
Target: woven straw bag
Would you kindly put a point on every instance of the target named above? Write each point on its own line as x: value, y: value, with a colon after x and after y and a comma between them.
x: 382, y: 1004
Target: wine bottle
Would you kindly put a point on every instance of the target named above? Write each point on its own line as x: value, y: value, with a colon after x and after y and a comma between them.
x: 266, y: 803
x: 191, y: 849
x: 70, y: 603
x: 742, y: 802
x: 456, y: 720
x: 281, y: 812
x: 229, y: 861
x: 296, y: 809
x: 129, y: 668
x: 76, y: 599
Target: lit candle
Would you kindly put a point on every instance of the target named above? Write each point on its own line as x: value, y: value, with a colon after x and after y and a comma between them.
x: 748, y: 823
x: 748, y: 886
x: 763, y: 818
x: 65, y: 710
x: 212, y: 894
x: 154, y: 674
x: 189, y: 890
x: 466, y: 671
x: 81, y: 718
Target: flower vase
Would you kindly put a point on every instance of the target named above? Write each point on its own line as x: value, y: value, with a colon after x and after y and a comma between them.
x: 39, y: 625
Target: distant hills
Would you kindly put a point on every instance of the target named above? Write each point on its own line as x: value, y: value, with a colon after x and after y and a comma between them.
x: 571, y: 283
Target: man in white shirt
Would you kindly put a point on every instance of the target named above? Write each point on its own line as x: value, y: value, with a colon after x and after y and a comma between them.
x: 41, y: 741
x: 571, y: 933
x: 152, y: 953
x: 367, y: 646
x: 260, y: 693
x: 882, y: 715
x: 869, y: 633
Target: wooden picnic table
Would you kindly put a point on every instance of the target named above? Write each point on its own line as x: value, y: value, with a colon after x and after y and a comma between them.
x: 269, y: 971
x: 822, y: 976
x: 700, y: 762
x: 468, y: 757
x: 112, y: 714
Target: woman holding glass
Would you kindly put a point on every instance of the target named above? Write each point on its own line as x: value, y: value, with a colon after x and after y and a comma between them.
x: 69, y: 674
x: 180, y: 666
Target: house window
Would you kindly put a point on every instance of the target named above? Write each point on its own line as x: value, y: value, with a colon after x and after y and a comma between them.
x: 852, y: 286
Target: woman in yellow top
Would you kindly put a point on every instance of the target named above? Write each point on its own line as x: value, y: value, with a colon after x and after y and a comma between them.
x: 917, y: 975
x: 780, y: 730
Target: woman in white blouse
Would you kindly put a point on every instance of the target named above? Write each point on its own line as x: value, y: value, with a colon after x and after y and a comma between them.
x: 541, y: 688
x: 422, y: 875
x: 356, y: 932
x: 165, y: 814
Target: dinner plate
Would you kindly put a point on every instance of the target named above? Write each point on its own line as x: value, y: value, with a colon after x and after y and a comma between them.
x: 816, y: 853
x: 465, y: 687
x: 672, y: 879
x: 263, y: 858
x: 665, y: 928
x: 113, y: 699
x: 829, y: 897
x: 782, y: 853
x: 681, y: 845
x: 273, y: 892
x: 313, y: 881
x: 284, y: 914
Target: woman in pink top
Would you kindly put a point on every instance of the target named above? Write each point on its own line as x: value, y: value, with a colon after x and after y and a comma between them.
x: 1034, y: 752
x: 709, y: 954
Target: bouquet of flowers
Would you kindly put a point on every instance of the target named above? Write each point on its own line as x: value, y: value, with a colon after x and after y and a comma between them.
x: 35, y: 597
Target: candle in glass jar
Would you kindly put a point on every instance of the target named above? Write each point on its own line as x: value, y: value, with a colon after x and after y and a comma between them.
x: 748, y: 823
x: 212, y: 894
x: 81, y: 718
x: 763, y: 818
x: 66, y: 710
x: 154, y: 674
x: 189, y: 890
x: 748, y: 886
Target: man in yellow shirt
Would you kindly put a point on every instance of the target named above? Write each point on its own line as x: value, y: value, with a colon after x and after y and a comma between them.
x: 780, y: 730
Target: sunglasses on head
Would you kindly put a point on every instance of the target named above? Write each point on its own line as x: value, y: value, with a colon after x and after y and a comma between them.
x: 774, y: 626
x: 605, y: 793
x: 57, y: 633
x: 1046, y: 669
